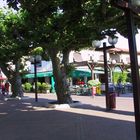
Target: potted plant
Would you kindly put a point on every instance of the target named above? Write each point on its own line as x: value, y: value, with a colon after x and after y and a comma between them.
x: 95, y: 83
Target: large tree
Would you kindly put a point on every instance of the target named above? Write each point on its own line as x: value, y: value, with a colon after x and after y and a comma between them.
x: 12, y: 48
x: 61, y: 26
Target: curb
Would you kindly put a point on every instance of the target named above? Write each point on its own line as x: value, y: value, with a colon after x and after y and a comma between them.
x: 12, y: 99
x: 63, y: 106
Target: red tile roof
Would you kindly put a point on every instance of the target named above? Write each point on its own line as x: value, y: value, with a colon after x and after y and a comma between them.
x: 120, y: 50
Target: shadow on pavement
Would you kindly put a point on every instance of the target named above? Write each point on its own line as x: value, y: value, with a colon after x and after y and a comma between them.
x: 98, y: 108
x: 21, y: 121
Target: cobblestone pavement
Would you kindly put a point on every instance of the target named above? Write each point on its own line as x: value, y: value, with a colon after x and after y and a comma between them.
x: 26, y: 119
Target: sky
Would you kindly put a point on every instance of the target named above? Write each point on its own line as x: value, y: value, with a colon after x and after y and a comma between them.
x: 2, y: 3
x: 122, y: 42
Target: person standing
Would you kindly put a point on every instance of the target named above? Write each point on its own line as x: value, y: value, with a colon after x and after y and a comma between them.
x: 3, y: 88
x: 0, y: 87
x: 7, y: 87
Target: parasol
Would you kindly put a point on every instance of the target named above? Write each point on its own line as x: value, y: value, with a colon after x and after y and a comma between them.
x: 3, y: 78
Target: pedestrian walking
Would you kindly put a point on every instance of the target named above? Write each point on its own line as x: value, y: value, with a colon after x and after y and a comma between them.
x: 119, y: 87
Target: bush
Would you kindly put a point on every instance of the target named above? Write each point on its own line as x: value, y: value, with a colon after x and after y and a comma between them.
x: 27, y: 87
x: 46, y: 86
x: 39, y: 86
x: 43, y: 87
x: 120, y: 76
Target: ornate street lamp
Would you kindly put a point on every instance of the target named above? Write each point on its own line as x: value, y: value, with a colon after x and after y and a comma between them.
x: 36, y: 59
x: 96, y: 44
x: 131, y: 7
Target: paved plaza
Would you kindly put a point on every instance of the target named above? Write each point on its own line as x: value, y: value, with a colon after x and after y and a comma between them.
x: 26, y: 119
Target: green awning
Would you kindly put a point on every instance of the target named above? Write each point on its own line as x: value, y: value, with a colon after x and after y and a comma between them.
x: 40, y: 74
x: 79, y: 73
x: 75, y: 73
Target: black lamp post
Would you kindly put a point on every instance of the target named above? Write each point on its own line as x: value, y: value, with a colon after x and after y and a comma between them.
x: 35, y: 60
x: 131, y: 7
x: 97, y: 44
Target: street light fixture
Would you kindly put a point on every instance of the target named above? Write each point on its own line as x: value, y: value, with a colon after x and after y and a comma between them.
x: 36, y: 59
x: 131, y: 7
x: 96, y: 44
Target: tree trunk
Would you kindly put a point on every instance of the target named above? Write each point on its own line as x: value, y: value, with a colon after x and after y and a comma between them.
x: 14, y: 78
x: 16, y: 85
x: 62, y: 96
x: 58, y: 79
x: 65, y: 57
x: 65, y: 61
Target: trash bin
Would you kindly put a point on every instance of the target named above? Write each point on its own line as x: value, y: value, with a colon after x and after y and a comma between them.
x: 112, y: 96
x: 112, y: 100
